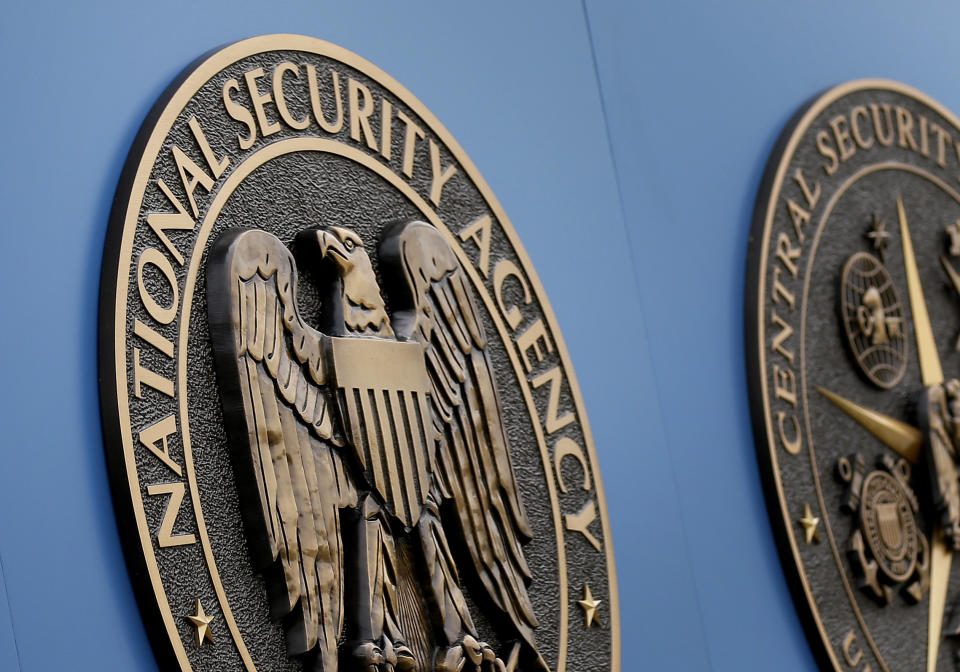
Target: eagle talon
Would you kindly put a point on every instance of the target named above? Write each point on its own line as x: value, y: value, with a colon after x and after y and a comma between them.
x: 469, y: 655
x: 383, y: 656
x: 368, y: 657
x: 405, y: 659
x: 372, y: 657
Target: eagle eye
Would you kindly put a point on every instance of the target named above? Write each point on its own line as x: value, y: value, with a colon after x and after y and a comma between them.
x: 348, y: 245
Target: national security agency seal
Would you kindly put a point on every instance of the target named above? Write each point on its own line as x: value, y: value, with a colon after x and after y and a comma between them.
x: 342, y: 428
x: 853, y: 314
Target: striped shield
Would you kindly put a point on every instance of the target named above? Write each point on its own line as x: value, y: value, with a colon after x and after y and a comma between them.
x: 382, y: 392
x: 889, y: 519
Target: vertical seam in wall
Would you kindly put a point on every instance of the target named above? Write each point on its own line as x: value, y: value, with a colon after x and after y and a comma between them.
x: 636, y: 279
x: 13, y: 629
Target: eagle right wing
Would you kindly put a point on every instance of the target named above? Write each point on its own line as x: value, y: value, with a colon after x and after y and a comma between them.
x: 291, y: 478
x: 433, y: 305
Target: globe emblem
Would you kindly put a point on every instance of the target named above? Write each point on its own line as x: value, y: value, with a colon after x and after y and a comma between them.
x: 873, y: 320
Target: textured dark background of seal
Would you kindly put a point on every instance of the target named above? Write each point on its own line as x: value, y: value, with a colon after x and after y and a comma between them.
x: 285, y: 196
x: 899, y: 628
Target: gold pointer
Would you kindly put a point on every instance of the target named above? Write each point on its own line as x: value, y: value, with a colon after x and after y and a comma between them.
x: 900, y: 437
x: 932, y: 374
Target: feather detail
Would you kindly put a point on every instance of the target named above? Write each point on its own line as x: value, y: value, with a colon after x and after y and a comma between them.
x: 290, y: 475
x: 433, y: 304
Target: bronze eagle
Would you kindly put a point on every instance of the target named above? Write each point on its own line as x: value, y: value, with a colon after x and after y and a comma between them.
x: 370, y: 455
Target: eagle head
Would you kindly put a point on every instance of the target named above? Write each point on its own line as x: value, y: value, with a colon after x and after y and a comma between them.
x: 343, y: 248
x: 354, y: 304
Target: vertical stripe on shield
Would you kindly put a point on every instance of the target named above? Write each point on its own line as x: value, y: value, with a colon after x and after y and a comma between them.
x: 405, y: 449
x: 389, y: 430
x: 393, y: 465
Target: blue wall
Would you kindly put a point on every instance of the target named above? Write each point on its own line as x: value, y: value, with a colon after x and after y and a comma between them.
x: 626, y: 142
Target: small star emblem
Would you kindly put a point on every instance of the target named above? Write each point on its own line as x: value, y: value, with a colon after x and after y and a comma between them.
x: 589, y: 607
x: 810, y: 524
x: 201, y: 622
x: 880, y: 236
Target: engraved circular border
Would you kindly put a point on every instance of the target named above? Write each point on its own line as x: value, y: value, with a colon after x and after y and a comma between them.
x: 768, y: 195
x: 115, y: 416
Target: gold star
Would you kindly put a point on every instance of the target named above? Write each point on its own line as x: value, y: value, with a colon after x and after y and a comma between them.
x: 810, y: 523
x: 589, y: 607
x: 202, y: 623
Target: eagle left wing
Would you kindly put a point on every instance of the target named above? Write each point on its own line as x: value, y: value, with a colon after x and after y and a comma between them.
x: 290, y: 475
x: 433, y: 304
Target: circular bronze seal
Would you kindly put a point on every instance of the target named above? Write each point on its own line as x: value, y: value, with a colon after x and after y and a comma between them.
x: 853, y: 393
x: 342, y: 427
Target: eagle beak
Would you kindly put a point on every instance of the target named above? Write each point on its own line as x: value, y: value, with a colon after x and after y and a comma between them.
x: 328, y: 243
x: 323, y: 240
